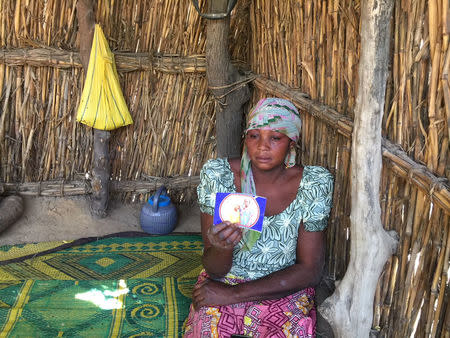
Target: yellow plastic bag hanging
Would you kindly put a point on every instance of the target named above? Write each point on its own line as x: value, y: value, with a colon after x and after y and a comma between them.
x: 102, y: 105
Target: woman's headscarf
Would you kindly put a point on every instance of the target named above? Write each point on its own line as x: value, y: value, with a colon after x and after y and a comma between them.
x: 269, y: 114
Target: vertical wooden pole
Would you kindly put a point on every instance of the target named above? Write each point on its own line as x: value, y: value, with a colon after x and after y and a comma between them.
x: 350, y: 308
x: 221, y: 74
x: 101, y: 163
x: 101, y: 169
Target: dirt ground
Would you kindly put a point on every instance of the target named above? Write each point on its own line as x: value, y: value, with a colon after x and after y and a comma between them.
x: 56, y: 218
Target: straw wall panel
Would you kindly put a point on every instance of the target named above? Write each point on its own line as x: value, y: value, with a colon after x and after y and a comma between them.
x: 417, y: 113
x: 39, y: 132
x: 173, y: 114
x: 174, y: 132
x: 314, y: 46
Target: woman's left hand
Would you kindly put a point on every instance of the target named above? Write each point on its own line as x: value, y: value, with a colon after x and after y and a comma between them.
x: 210, y: 292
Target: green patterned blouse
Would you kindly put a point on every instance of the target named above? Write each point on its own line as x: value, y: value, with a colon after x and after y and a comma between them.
x: 276, y: 248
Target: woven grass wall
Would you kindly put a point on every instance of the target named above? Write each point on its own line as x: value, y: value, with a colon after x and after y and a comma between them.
x: 304, y: 50
x: 312, y: 47
x: 173, y: 113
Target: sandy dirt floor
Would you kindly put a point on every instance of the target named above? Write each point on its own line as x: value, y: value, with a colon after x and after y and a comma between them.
x: 51, y: 219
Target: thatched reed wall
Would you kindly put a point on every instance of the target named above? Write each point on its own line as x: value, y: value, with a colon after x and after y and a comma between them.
x: 305, y: 50
x: 173, y: 114
x: 314, y: 46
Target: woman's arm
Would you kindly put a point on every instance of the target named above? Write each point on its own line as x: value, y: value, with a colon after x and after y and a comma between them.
x: 306, y: 272
x: 218, y: 241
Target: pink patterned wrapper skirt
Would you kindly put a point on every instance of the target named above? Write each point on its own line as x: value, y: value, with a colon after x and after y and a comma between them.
x: 290, y: 316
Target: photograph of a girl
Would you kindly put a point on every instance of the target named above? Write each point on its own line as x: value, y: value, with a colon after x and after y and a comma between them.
x: 262, y: 284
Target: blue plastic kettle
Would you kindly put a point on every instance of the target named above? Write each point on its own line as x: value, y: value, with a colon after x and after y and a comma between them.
x: 158, y: 215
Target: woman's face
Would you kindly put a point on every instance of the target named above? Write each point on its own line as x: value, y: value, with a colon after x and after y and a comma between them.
x: 267, y: 149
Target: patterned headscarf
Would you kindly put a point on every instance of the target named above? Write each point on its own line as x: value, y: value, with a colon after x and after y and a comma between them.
x: 269, y: 114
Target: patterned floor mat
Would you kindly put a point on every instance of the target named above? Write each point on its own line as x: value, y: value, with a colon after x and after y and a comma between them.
x: 112, y: 287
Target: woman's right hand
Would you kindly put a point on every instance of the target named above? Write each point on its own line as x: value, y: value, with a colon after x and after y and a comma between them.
x: 224, y: 235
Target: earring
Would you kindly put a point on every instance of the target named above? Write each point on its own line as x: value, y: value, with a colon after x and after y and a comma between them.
x: 289, y: 161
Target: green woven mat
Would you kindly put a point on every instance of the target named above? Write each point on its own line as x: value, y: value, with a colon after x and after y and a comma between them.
x: 114, y: 287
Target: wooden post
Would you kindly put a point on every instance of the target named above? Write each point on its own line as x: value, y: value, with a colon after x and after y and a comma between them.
x: 221, y: 74
x: 350, y: 309
x: 101, y: 165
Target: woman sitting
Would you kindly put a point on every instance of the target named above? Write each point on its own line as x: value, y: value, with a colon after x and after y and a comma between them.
x: 263, y: 285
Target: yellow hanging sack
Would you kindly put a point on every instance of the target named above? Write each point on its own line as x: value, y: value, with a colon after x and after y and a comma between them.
x: 102, y: 105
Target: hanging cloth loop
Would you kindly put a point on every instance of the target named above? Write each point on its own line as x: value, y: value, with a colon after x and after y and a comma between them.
x: 102, y: 105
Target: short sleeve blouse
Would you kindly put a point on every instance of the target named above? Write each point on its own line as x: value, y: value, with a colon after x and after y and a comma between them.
x: 276, y: 248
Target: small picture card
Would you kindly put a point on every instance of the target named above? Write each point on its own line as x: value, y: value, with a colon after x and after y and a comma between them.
x: 244, y: 209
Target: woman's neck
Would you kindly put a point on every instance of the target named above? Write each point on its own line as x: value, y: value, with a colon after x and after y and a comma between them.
x: 268, y: 177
